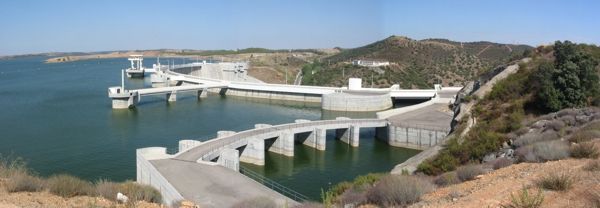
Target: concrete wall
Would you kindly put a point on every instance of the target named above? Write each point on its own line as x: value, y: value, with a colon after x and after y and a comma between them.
x: 415, y: 137
x: 356, y: 101
x: 397, y: 111
x: 300, y: 97
x: 147, y: 174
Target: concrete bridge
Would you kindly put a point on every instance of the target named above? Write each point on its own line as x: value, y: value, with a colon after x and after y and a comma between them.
x: 195, y: 160
x: 351, y: 98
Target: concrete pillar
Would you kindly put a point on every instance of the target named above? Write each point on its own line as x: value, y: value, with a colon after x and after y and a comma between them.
x: 229, y: 158
x: 172, y: 96
x: 314, y: 139
x: 187, y: 144
x: 254, y: 152
x: 284, y: 144
x: 224, y: 133
x: 202, y: 93
x: 349, y: 135
x: 223, y: 91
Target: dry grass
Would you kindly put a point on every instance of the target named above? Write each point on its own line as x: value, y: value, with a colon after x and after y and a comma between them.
x: 584, y: 150
x: 400, y: 190
x: 140, y: 192
x: 446, y: 179
x: 22, y: 181
x: 501, y: 163
x: 556, y: 182
x: 524, y: 200
x: 107, y: 189
x: 593, y: 165
x: 469, y: 172
x: 69, y: 186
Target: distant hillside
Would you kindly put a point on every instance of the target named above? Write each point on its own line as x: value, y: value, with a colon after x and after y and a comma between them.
x: 414, y: 63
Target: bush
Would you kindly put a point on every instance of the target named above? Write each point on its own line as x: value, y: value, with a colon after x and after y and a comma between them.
x: 534, y: 137
x: 501, y: 162
x: 22, y: 181
x: 548, y: 151
x: 556, y: 182
x: 469, y: 172
x: 352, y: 196
x: 139, y: 192
x: 10, y: 165
x: 584, y: 150
x: 446, y: 179
x: 400, y: 190
x: 593, y: 165
x: 309, y: 205
x: 584, y: 135
x: 107, y: 189
x: 524, y: 200
x: 256, y: 202
x: 69, y: 186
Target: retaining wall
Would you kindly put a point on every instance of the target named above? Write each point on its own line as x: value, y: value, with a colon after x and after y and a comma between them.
x: 342, y: 101
x: 147, y: 173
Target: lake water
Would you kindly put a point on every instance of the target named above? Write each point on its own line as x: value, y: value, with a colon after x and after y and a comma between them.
x: 59, y: 119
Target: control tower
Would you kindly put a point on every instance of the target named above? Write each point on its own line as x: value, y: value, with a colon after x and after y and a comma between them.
x: 137, y: 69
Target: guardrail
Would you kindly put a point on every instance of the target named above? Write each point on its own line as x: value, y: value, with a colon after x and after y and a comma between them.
x: 294, y: 195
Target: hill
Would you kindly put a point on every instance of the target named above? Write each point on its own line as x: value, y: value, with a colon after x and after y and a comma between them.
x: 414, y: 63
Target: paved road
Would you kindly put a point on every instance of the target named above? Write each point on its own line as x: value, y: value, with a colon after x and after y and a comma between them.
x: 437, y: 115
x: 212, y: 185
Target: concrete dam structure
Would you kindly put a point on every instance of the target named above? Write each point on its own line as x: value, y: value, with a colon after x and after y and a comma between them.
x: 231, y: 79
x: 223, y: 154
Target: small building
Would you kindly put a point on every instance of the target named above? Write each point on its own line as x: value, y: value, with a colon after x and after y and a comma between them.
x: 370, y: 63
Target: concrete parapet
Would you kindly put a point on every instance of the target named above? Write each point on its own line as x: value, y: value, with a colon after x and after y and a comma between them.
x: 301, y: 121
x: 147, y: 174
x: 187, y: 144
x: 229, y: 158
x: 284, y: 144
x: 254, y: 152
x: 342, y: 118
x: 224, y: 133
x: 260, y: 126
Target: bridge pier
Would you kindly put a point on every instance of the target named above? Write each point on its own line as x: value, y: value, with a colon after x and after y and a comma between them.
x: 315, y: 139
x: 254, y: 152
x: 284, y: 144
x: 202, y: 93
x: 172, y: 96
x: 349, y: 135
x: 229, y: 158
x: 122, y: 99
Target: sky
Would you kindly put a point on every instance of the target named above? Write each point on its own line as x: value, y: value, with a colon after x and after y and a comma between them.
x: 29, y: 26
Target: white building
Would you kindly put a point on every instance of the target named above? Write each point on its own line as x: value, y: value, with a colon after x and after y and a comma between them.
x: 370, y: 63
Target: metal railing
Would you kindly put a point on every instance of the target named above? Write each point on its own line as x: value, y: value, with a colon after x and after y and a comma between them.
x: 294, y: 195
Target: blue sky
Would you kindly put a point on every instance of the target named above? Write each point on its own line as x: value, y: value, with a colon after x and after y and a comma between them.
x: 47, y: 26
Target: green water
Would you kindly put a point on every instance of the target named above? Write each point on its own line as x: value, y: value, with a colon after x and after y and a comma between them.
x: 59, y: 119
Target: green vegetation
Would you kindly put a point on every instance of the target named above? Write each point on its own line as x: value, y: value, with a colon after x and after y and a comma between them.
x: 556, y: 182
x: 360, y: 183
x: 18, y: 178
x: 571, y: 81
x: 503, y: 110
x: 524, y: 200
x: 415, y: 64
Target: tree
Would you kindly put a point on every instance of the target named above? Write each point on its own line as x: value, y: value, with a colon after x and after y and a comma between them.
x: 570, y: 81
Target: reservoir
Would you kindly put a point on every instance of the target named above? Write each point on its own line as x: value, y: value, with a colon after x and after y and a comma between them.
x: 58, y: 118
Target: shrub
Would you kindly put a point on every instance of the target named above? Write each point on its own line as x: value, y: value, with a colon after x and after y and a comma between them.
x: 309, y: 205
x: 502, y: 162
x: 394, y: 190
x: 584, y: 135
x: 139, y: 192
x: 556, y: 182
x: 524, y: 200
x: 107, y: 189
x: 257, y: 202
x: 584, y: 150
x: 593, y: 165
x: 548, y: 151
x: 352, y: 196
x: 68, y: 186
x: 10, y: 165
x: 442, y: 163
x: 446, y: 179
x: 22, y: 181
x: 556, y: 125
x: 469, y: 172
x: 534, y: 137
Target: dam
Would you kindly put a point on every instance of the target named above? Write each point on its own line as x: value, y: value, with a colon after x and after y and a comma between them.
x: 183, y: 174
